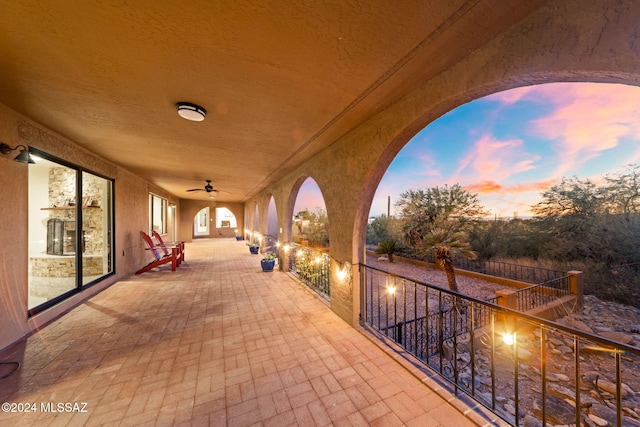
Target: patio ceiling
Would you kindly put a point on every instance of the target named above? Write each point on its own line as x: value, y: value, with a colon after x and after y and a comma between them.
x: 280, y: 80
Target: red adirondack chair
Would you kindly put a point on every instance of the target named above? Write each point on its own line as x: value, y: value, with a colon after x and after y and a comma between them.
x: 166, y: 246
x: 174, y: 256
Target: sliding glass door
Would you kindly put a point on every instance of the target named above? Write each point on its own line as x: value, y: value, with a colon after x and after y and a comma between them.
x: 70, y: 230
x: 96, y: 227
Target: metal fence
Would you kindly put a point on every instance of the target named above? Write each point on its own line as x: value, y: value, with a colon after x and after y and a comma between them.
x: 505, y: 270
x: 518, y: 366
x: 312, y: 267
x: 541, y: 294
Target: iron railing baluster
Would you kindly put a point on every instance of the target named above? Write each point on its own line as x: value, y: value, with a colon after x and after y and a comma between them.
x: 442, y: 318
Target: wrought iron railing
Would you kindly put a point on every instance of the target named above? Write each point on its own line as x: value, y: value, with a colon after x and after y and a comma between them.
x: 541, y: 294
x: 505, y: 270
x: 312, y: 267
x: 550, y: 372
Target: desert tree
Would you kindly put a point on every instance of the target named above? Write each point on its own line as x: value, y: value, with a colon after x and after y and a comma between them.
x: 435, y: 219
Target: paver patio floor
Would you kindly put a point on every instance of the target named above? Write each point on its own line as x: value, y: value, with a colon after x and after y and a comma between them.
x: 218, y: 342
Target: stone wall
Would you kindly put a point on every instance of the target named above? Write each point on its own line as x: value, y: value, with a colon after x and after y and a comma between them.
x: 62, y: 194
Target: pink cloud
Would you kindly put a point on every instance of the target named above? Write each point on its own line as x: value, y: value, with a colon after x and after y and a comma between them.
x: 587, y: 120
x: 488, y: 187
x: 490, y: 159
x: 484, y: 187
x: 509, y: 97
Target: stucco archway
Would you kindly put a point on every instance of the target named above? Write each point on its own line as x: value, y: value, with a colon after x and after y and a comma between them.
x: 561, y: 41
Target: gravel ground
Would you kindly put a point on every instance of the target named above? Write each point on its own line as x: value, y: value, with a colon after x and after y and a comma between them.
x: 476, y: 288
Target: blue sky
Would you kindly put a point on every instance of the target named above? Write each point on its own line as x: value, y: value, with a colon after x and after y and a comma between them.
x: 511, y: 146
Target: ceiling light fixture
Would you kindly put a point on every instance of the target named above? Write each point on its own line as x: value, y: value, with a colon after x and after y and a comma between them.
x: 191, y: 111
x: 22, y: 157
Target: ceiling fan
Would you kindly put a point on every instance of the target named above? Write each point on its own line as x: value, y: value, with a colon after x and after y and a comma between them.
x: 209, y: 189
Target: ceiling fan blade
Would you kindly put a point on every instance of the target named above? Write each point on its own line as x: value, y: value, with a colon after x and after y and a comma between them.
x: 196, y: 189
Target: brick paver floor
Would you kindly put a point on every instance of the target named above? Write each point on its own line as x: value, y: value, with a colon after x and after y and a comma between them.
x: 218, y: 342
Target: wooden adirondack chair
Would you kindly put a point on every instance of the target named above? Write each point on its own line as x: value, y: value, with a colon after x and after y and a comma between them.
x: 166, y: 246
x: 174, y: 256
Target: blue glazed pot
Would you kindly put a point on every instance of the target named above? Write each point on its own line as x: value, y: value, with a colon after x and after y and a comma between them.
x: 238, y: 237
x: 267, y: 264
x: 254, y: 249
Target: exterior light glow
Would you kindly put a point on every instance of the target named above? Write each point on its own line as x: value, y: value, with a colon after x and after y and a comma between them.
x: 342, y: 273
x: 509, y: 338
x: 391, y: 290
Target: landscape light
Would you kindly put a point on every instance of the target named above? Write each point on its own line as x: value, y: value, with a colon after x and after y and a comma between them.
x: 509, y: 338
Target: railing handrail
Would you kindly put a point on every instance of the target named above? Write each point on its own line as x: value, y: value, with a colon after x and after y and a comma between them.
x: 465, y: 264
x: 450, y: 332
x: 319, y: 281
x: 539, y: 295
x: 605, y: 342
x: 542, y: 285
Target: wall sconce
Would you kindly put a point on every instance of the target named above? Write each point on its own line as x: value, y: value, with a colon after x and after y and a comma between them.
x: 22, y: 157
x: 343, y: 273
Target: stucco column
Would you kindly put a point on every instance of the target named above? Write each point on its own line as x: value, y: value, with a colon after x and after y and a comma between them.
x: 507, y: 298
x: 576, y: 287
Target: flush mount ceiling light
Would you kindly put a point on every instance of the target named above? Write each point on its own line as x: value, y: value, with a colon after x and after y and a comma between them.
x: 191, y: 111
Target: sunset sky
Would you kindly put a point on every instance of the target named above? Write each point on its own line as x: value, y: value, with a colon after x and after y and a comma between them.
x: 511, y: 146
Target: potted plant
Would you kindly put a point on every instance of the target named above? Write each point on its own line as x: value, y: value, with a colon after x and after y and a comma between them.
x: 253, y: 248
x: 268, y: 261
x: 388, y: 248
x: 238, y: 237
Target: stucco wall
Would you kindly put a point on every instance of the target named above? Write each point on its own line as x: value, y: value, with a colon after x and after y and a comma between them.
x: 131, y: 203
x: 189, y: 209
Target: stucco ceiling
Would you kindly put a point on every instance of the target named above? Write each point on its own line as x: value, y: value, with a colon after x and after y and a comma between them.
x: 281, y: 80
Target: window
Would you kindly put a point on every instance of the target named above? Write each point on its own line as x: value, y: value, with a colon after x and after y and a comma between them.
x: 225, y: 218
x: 70, y: 230
x: 157, y: 214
